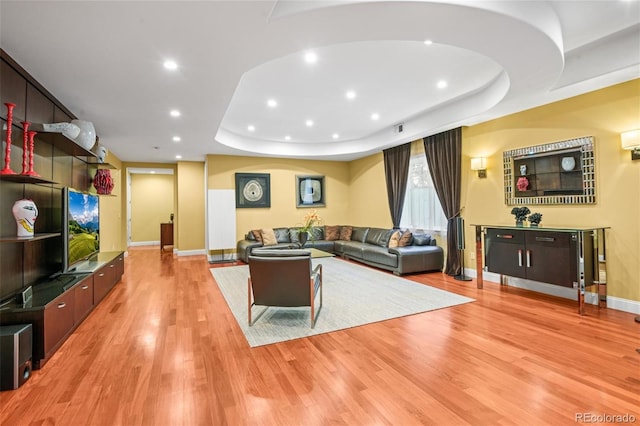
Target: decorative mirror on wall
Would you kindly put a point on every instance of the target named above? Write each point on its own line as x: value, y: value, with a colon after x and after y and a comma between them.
x: 554, y: 173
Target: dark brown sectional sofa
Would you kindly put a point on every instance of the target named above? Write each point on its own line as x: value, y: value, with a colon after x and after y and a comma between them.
x: 367, y: 245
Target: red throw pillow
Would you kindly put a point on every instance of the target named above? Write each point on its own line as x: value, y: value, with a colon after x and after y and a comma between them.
x: 345, y: 233
x: 331, y: 233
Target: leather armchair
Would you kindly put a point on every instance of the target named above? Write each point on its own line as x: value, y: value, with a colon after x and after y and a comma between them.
x: 283, y: 278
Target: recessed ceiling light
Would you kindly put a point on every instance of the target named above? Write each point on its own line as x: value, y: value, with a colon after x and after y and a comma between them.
x: 351, y: 94
x: 375, y: 116
x: 442, y: 84
x: 311, y: 57
x: 170, y: 64
x: 153, y: 172
x: 272, y: 103
x: 177, y: 139
x: 428, y: 42
x: 309, y: 123
x: 178, y: 157
x: 287, y: 138
x: 175, y: 113
x: 251, y: 127
x: 335, y: 136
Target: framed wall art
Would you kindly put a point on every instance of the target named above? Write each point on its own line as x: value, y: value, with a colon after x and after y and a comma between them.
x: 253, y: 190
x: 310, y: 191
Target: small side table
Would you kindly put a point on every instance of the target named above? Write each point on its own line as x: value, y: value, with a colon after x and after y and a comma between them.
x: 166, y: 235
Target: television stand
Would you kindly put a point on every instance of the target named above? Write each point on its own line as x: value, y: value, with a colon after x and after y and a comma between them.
x: 60, y: 303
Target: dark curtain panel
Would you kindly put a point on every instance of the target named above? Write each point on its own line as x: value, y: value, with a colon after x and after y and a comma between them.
x: 396, y: 172
x: 444, y: 153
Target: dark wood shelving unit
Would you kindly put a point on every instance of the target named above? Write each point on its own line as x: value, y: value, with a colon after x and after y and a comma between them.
x: 36, y: 237
x: 19, y: 178
x: 545, y: 174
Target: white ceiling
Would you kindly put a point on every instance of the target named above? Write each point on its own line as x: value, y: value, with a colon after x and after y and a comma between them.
x: 103, y: 60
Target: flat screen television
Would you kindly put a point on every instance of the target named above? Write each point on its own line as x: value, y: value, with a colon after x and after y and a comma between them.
x: 82, y: 227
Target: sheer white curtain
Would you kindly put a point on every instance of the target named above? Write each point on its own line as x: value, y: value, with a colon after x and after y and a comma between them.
x: 422, y: 209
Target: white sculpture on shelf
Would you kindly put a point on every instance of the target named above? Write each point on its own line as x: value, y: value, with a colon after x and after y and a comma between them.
x: 25, y: 212
x: 79, y: 131
x: 87, y: 136
x: 100, y: 151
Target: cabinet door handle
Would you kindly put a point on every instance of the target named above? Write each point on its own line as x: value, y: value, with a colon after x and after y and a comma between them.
x: 507, y: 236
x: 519, y: 257
x: 112, y: 266
x: 61, y: 305
x: 101, y: 274
x: 528, y: 259
x: 546, y: 239
x: 84, y: 287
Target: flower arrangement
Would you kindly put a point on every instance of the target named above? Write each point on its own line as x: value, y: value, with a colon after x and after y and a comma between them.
x: 520, y: 213
x: 310, y: 220
x: 535, y: 218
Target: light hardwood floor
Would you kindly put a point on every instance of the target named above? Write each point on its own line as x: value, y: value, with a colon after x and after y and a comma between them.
x: 164, y: 349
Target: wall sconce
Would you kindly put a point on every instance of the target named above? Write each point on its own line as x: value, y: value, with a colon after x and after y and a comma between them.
x: 479, y: 164
x: 631, y: 141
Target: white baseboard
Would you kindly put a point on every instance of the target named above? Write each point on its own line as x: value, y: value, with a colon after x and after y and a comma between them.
x: 625, y: 305
x: 198, y: 252
x: 616, y: 303
x: 143, y: 243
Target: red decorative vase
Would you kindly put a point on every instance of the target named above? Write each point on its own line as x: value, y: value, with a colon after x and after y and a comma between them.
x: 103, y: 182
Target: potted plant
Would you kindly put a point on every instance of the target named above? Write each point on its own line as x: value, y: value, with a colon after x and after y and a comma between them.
x: 521, y: 214
x: 535, y: 219
x: 310, y: 221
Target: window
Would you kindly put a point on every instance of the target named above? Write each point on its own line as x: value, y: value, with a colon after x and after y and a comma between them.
x: 422, y: 209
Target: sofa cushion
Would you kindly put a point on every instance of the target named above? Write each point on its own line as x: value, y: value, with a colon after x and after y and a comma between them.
x: 282, y: 235
x: 345, y: 233
x: 316, y: 233
x: 421, y: 239
x: 378, y: 237
x: 294, y: 235
x: 405, y: 239
x: 394, y: 239
x: 257, y: 234
x: 331, y: 233
x: 380, y: 255
x: 359, y: 234
x: 268, y: 237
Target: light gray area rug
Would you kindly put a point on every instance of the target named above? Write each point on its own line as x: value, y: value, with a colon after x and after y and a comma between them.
x: 354, y: 295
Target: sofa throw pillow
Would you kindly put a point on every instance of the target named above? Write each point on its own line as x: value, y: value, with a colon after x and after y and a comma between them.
x: 345, y: 233
x: 331, y: 233
x: 268, y: 237
x: 294, y: 235
x: 421, y: 239
x: 257, y: 234
x: 395, y: 239
x: 405, y: 239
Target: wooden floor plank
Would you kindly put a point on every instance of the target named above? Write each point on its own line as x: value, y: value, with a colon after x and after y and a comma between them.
x: 164, y: 349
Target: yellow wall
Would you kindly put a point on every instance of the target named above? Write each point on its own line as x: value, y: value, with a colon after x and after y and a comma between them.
x: 368, y: 193
x: 283, y: 211
x: 151, y: 205
x: 191, y: 193
x: 603, y: 114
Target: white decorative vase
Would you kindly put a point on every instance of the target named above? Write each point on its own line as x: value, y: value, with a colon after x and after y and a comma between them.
x: 25, y: 212
x: 568, y: 163
x: 87, y: 136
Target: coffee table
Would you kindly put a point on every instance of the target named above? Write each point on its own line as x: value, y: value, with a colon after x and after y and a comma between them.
x: 316, y: 253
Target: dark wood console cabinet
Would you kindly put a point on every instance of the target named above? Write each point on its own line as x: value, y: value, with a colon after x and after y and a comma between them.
x: 567, y: 257
x: 166, y: 235
x: 60, y: 304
